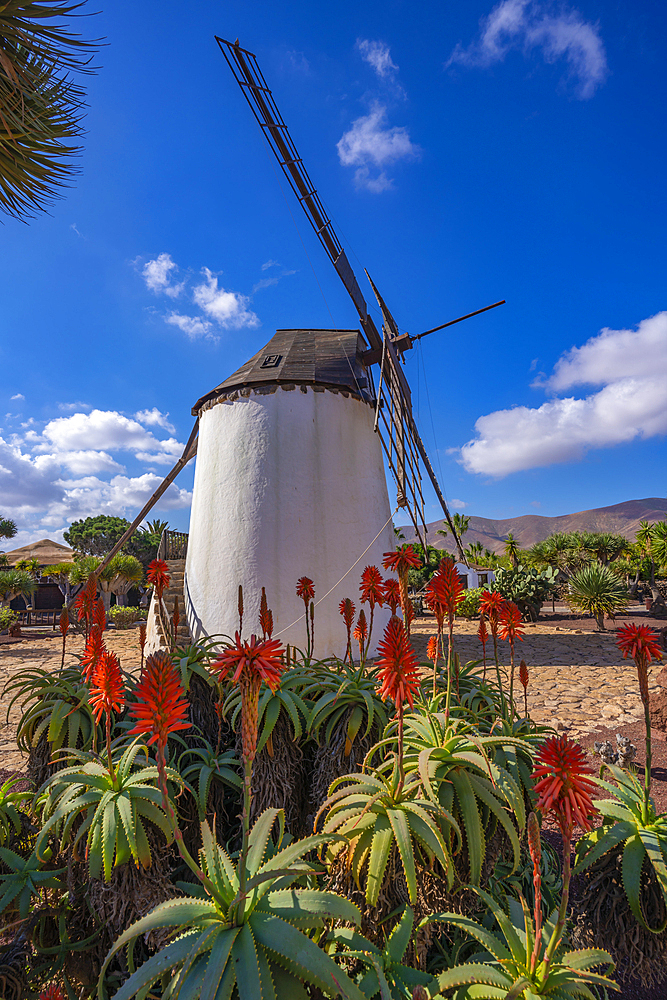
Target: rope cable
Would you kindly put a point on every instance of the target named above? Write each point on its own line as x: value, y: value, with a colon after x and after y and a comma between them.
x: 331, y: 589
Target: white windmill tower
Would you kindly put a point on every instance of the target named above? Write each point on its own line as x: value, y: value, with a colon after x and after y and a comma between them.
x: 290, y: 479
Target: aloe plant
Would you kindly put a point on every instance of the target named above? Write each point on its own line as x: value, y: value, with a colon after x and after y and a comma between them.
x: 255, y: 941
x: 506, y: 967
x: 200, y: 766
x: 286, y: 698
x: 54, y: 704
x: 457, y: 772
x: 376, y: 812
x: 630, y: 820
x: 27, y: 878
x: 10, y: 816
x: 350, y: 691
x: 386, y: 977
x: 85, y: 803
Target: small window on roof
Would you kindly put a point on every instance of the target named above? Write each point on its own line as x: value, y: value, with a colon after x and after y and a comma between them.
x: 271, y: 360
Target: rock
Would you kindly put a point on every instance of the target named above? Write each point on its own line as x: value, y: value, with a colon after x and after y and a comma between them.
x: 661, y: 678
x: 658, y: 710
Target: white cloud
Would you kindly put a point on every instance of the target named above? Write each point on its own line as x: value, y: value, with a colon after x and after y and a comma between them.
x: 192, y: 326
x: 530, y: 25
x: 369, y: 144
x: 19, y: 395
x: 24, y: 487
x: 154, y: 418
x: 157, y: 275
x: 69, y: 407
x: 458, y: 504
x: 99, y: 432
x: 269, y: 263
x: 376, y: 54
x: 615, y: 355
x: 631, y: 367
x: 229, y: 309
x: 83, y: 462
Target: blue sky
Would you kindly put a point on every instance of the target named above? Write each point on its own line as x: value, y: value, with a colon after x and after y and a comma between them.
x: 466, y: 152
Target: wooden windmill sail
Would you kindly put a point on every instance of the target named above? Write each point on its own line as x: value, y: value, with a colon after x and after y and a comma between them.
x: 290, y: 478
x: 394, y: 422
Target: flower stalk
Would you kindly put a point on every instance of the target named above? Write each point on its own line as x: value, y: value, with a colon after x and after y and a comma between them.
x: 641, y: 642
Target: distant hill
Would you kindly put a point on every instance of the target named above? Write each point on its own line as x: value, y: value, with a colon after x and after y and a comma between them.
x: 620, y: 518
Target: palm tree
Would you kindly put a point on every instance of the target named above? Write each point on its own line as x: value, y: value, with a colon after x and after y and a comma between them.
x: 157, y: 527
x: 7, y: 527
x: 60, y: 574
x: 460, y: 522
x: 512, y: 549
x: 40, y: 105
x: 597, y: 591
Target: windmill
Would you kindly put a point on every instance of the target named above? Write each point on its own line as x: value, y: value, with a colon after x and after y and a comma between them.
x: 290, y: 479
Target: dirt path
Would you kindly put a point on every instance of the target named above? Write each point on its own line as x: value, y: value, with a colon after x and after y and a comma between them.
x: 578, y: 678
x: 42, y: 649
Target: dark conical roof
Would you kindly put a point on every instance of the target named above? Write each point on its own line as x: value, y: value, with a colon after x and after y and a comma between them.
x: 328, y: 358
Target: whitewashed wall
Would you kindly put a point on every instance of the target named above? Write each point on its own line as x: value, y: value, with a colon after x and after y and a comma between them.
x: 287, y: 484
x: 474, y: 575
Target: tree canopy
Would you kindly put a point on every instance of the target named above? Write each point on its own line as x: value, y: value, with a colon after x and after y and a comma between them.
x: 40, y: 104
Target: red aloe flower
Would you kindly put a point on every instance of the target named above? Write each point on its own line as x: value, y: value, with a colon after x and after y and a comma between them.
x: 347, y: 609
x: 160, y: 707
x: 63, y: 622
x: 401, y: 562
x: 158, y: 575
x: 443, y: 594
x: 371, y: 587
x: 511, y: 625
x: 260, y: 657
x: 252, y: 662
x: 489, y: 605
x: 361, y: 633
x: 432, y: 648
x: 263, y: 613
x: 305, y: 590
x: 642, y: 644
x: 523, y: 677
x: 99, y: 619
x: 444, y: 591
x: 392, y: 593
x: 85, y: 600
x: 107, y: 693
x: 511, y: 628
x: 92, y: 653
x: 371, y: 590
x: 398, y: 665
x: 563, y: 786
x: 53, y: 991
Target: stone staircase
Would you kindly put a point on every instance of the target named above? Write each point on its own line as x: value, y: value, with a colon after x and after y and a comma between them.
x: 175, y: 589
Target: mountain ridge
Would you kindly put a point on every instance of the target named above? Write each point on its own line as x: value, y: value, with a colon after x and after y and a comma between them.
x: 620, y: 519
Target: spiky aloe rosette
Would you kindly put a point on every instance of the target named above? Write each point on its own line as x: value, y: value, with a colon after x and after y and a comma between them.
x: 529, y: 959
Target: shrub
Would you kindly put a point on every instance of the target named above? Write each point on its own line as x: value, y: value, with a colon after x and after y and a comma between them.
x: 469, y: 606
x: 528, y: 588
x: 597, y: 591
x: 7, y: 618
x: 124, y: 617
